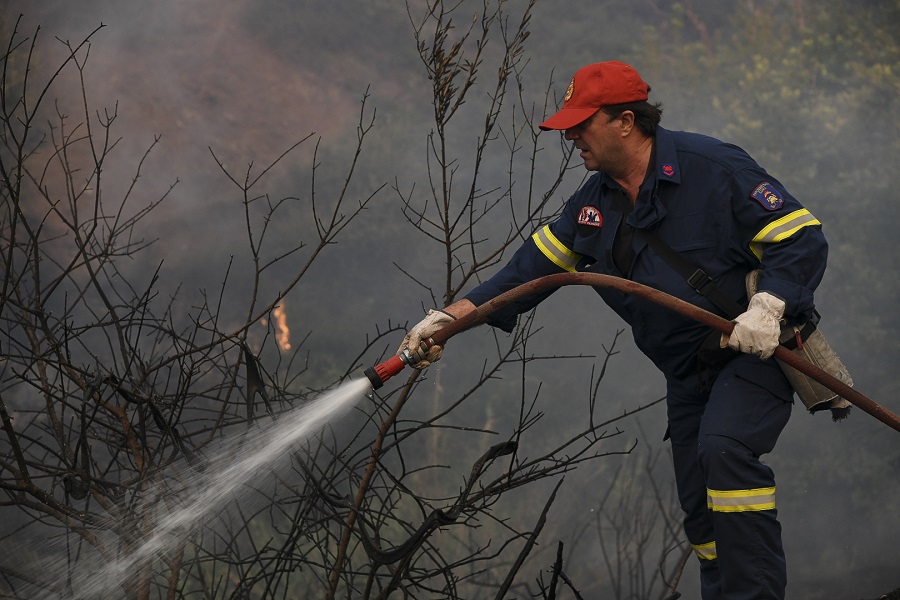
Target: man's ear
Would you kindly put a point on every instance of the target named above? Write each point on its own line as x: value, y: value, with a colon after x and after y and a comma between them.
x: 626, y: 122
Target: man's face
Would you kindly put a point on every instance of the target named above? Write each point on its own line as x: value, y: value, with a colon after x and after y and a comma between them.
x: 599, y: 140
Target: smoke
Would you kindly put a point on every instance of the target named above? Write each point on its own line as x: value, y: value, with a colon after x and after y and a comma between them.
x: 246, y: 80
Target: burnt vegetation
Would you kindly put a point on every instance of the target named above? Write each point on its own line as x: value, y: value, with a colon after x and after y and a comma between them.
x: 119, y: 391
x: 114, y: 397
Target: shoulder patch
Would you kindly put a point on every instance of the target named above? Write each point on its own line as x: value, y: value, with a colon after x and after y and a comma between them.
x: 767, y: 196
x: 589, y: 215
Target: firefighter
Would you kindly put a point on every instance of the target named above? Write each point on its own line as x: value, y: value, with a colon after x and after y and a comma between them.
x: 711, y: 203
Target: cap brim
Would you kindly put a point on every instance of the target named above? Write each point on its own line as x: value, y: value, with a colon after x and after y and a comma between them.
x: 568, y: 117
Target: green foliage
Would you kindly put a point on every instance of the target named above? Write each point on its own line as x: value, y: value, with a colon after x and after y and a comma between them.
x: 777, y: 83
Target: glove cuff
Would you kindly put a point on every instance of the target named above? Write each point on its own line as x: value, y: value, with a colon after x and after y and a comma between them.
x: 442, y: 311
x: 769, y: 303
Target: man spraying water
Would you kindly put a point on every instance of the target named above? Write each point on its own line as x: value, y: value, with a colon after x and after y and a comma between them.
x: 714, y: 207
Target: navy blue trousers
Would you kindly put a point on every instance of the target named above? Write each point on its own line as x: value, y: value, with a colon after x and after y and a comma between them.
x: 728, y: 496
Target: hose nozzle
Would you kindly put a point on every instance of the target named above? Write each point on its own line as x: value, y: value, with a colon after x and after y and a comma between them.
x: 384, y: 371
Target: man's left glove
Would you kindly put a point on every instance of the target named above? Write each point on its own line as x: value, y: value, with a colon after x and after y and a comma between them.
x: 434, y: 321
x: 757, y: 330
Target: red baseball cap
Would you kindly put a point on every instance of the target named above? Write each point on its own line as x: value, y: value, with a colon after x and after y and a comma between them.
x: 595, y: 86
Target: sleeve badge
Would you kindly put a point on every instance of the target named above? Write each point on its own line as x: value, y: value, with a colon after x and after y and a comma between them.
x: 767, y: 196
x: 589, y: 215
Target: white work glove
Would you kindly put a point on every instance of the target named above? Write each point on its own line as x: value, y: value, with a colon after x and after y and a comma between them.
x: 433, y: 321
x: 757, y: 330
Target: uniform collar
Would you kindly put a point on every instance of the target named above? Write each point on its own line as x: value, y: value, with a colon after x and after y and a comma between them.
x: 667, y: 168
x: 664, y: 157
x: 648, y: 209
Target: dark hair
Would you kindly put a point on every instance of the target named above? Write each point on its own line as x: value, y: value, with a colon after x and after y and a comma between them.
x: 646, y: 115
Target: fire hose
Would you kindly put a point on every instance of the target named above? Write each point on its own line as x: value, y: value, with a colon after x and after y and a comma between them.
x: 387, y: 369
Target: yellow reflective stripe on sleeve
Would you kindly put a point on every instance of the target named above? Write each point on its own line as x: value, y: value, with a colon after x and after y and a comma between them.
x: 741, y: 500
x: 553, y: 249
x: 781, y: 229
x: 705, y: 551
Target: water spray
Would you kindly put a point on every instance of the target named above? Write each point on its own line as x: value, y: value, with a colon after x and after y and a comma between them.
x: 200, y: 493
x: 380, y: 373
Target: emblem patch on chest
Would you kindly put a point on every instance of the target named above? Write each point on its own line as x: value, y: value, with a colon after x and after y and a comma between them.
x: 589, y: 215
x: 767, y: 196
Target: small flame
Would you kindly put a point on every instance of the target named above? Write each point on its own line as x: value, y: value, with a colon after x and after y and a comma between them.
x: 282, y: 332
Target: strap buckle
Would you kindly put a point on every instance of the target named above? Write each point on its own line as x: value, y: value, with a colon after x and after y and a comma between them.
x: 800, y: 333
x: 700, y: 281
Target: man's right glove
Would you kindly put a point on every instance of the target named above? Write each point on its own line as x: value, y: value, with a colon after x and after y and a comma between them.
x: 757, y: 330
x: 434, y: 321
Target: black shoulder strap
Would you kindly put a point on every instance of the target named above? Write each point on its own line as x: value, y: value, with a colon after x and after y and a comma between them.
x: 696, y: 277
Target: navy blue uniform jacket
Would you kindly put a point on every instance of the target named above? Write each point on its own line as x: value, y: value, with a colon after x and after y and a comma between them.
x: 712, y: 203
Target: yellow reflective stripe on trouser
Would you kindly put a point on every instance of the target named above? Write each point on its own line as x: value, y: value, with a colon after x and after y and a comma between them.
x: 741, y: 500
x: 705, y: 551
x: 781, y: 229
x: 553, y: 249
